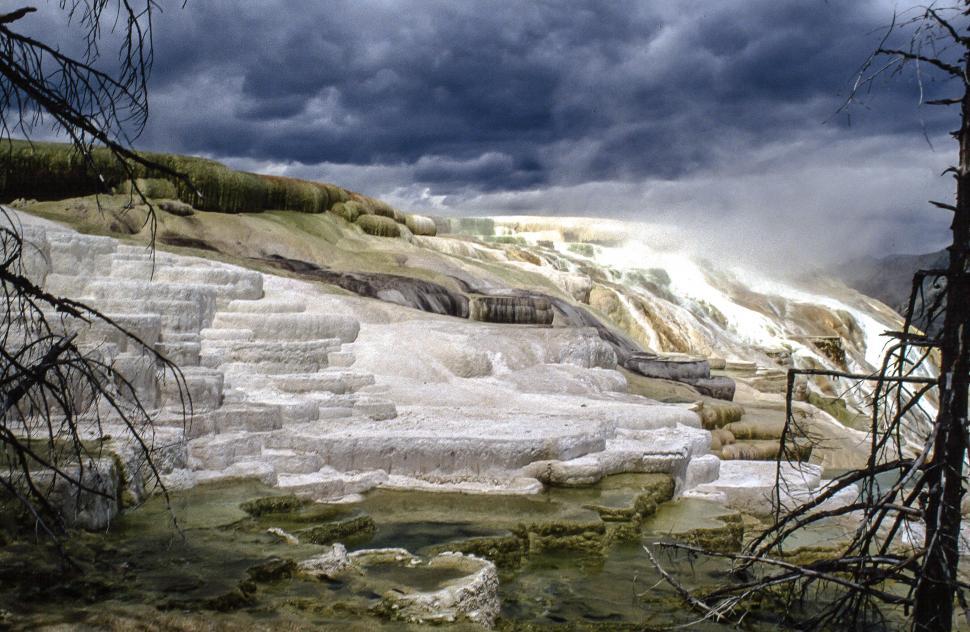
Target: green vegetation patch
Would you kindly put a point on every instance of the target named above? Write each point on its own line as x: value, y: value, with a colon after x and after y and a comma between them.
x: 589, y: 541
x: 376, y: 207
x: 659, y: 492
x: 219, y: 188
x: 728, y: 537
x: 509, y: 240
x: 838, y: 408
x: 757, y: 429
x: 336, y: 194
x: 273, y: 505
x: 717, y: 414
x: 55, y: 171
x: 589, y: 536
x: 327, y: 533
x: 505, y: 551
x: 293, y: 194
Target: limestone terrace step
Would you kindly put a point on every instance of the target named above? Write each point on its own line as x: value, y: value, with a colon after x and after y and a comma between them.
x: 329, y: 484
x: 295, y: 326
x: 298, y: 352
x: 451, y: 448
x: 267, y: 306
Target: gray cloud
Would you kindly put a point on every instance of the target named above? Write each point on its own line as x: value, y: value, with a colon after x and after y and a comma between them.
x: 704, y: 113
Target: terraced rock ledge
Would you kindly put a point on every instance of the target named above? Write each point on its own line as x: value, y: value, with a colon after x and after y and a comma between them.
x: 328, y: 396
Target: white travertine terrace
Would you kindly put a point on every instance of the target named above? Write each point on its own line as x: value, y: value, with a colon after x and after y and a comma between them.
x: 328, y: 395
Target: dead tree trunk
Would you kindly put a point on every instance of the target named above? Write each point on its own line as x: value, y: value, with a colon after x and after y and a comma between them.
x: 864, y: 574
x: 933, y: 607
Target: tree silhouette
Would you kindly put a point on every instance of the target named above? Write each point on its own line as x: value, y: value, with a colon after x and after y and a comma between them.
x: 58, y: 394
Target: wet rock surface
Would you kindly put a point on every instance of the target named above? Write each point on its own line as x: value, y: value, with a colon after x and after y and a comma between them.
x: 513, y: 310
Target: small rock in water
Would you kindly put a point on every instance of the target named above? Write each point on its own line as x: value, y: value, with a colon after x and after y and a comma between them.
x: 326, y: 564
x: 272, y: 570
x: 289, y: 538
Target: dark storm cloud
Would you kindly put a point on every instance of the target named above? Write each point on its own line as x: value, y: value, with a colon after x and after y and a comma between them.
x: 500, y: 105
x: 391, y: 82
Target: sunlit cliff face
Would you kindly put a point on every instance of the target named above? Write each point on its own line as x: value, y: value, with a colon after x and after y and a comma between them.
x: 653, y: 282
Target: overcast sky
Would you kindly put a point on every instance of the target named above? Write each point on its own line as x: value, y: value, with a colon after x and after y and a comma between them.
x: 718, y: 115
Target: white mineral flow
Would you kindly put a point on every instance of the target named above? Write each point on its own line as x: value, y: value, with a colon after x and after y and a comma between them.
x: 327, y: 395
x: 701, y: 305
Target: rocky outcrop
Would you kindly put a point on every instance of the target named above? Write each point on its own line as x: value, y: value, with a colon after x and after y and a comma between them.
x: 175, y: 207
x: 328, y: 564
x: 56, y: 171
x: 670, y: 451
x: 93, y: 507
x: 511, y: 306
x: 448, y: 587
x: 577, y: 316
x: 381, y: 220
x: 349, y: 210
x: 718, y: 387
x: 890, y: 279
x: 831, y: 347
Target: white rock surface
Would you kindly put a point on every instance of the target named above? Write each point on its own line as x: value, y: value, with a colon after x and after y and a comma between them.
x: 328, y: 564
x: 329, y: 395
